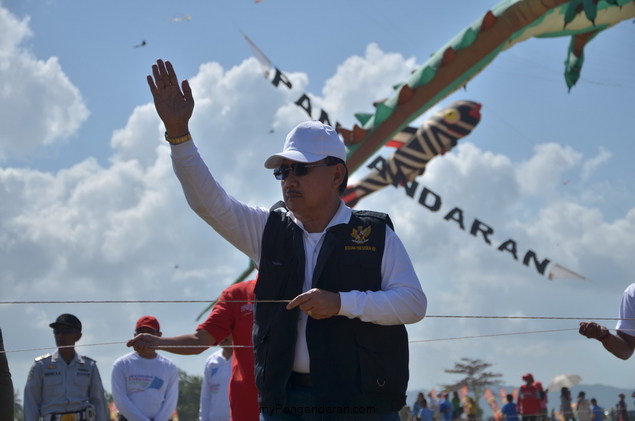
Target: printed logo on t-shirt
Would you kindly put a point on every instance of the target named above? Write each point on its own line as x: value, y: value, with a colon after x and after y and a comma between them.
x: 142, y: 382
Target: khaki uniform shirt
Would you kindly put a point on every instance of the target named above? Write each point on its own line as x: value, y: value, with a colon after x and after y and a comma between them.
x: 54, y: 387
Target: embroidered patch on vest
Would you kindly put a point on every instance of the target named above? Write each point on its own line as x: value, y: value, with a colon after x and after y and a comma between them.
x: 360, y: 234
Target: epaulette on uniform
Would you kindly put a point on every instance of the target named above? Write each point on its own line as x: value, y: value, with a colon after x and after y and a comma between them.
x: 90, y: 360
x: 41, y: 357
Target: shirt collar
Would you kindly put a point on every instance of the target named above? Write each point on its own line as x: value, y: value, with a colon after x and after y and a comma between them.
x: 342, y: 216
x: 56, y: 356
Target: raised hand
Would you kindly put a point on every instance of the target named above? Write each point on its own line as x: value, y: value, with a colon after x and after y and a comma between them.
x: 174, y: 104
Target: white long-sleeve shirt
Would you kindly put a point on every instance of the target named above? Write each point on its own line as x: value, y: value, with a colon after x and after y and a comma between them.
x: 145, y: 389
x: 400, y: 300
x: 214, y: 405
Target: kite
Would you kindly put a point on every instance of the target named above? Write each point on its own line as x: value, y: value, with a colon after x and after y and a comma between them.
x: 414, y: 152
x: 557, y: 272
x: 490, y: 398
x: 281, y: 80
x: 451, y: 67
x: 416, y: 147
x: 265, y: 63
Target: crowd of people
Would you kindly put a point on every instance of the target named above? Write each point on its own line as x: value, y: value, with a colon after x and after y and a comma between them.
x: 66, y: 386
x: 145, y: 383
x: 531, y: 405
x: 335, y: 289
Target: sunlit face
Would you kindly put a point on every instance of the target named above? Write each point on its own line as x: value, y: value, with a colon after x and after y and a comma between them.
x: 309, y: 192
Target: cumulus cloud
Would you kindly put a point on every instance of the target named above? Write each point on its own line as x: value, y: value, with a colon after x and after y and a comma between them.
x: 543, y: 172
x: 40, y: 105
x: 595, y: 162
x: 360, y: 81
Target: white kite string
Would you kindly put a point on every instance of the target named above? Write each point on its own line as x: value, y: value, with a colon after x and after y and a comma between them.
x: 251, y: 346
x: 141, y: 301
x: 436, y: 316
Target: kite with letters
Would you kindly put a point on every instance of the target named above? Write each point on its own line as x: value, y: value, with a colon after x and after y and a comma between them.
x: 415, y: 148
x: 451, y: 67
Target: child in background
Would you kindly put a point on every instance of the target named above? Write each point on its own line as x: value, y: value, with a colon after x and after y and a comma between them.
x: 509, y: 409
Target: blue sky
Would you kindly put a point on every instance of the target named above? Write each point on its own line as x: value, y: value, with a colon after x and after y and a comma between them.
x: 91, y: 209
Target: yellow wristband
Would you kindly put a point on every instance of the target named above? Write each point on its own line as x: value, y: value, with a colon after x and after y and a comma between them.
x: 178, y: 140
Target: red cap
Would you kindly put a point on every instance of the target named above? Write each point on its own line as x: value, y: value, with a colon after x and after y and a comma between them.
x: 529, y: 377
x: 148, y: 321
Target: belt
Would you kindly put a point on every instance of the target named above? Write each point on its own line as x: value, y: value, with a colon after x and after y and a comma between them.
x: 122, y: 418
x: 85, y: 414
x: 300, y: 379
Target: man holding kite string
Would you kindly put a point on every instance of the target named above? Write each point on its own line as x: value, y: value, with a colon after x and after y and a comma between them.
x: 335, y: 286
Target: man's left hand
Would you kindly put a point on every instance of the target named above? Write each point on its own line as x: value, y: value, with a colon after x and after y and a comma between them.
x: 317, y: 303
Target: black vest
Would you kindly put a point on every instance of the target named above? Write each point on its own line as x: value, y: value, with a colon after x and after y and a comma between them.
x: 353, y: 363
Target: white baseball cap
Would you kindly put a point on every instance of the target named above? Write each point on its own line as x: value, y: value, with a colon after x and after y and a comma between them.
x: 310, y: 141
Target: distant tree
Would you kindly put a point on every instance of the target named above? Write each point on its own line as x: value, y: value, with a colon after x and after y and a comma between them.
x: 189, y: 396
x: 476, y: 378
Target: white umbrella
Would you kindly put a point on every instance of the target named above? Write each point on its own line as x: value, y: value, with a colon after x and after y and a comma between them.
x: 564, y: 380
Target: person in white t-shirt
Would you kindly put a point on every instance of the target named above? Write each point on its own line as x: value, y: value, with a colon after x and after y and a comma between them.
x: 214, y: 390
x: 145, y: 384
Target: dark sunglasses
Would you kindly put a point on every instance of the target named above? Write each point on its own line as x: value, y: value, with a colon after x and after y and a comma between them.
x: 63, y: 330
x: 298, y: 169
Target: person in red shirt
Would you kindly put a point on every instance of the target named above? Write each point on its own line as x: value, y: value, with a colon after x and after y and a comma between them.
x: 233, y: 314
x: 529, y: 399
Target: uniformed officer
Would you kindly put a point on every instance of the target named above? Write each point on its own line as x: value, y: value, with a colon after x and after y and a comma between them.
x: 64, y: 386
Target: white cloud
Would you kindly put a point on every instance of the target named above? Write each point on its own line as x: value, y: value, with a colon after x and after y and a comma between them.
x: 15, y: 31
x: 360, y: 81
x: 541, y: 174
x: 139, y: 139
x: 40, y: 105
x: 594, y: 163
